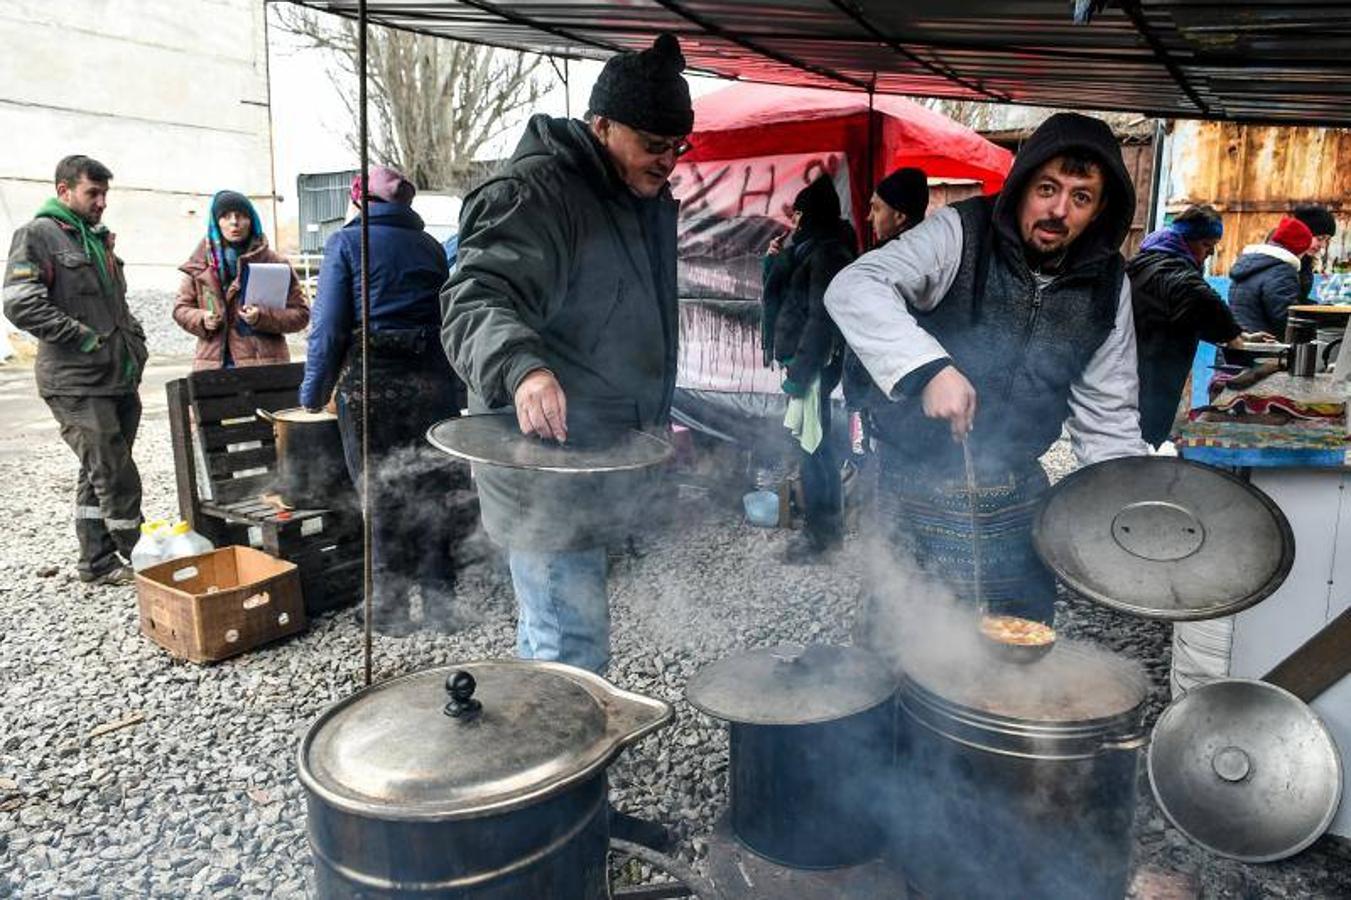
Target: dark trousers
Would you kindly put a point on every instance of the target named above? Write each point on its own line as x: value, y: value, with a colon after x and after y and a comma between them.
x: 101, y: 431
x: 821, y: 492
x: 413, y: 486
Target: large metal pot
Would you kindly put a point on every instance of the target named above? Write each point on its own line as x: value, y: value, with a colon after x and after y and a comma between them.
x: 1018, y: 781
x: 483, y: 781
x: 311, y: 470
x: 811, y: 730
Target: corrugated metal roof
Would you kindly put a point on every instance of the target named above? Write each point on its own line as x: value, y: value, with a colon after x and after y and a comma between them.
x: 1280, y: 62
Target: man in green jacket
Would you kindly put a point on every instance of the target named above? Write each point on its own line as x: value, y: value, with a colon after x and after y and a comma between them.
x: 563, y: 306
x: 64, y: 285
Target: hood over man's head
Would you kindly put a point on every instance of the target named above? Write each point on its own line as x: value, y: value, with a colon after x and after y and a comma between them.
x: 640, y: 110
x: 1068, y: 199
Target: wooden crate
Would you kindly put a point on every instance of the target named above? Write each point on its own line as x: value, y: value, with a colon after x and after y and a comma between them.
x: 225, y: 458
x: 219, y: 604
x: 326, y: 545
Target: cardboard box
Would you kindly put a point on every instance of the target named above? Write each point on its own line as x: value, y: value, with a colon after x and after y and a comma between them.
x: 219, y: 604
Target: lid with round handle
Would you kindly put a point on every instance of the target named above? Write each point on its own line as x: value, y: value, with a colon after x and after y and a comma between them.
x: 1164, y: 538
x: 472, y: 739
x: 1245, y: 769
x: 792, y: 684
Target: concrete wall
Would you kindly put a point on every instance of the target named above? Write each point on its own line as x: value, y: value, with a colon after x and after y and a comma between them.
x: 170, y: 94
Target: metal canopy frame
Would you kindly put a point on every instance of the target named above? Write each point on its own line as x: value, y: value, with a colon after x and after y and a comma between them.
x: 1277, y: 62
x: 1272, y: 62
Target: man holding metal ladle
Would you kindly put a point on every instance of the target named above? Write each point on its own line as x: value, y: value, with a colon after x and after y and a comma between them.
x: 985, y: 329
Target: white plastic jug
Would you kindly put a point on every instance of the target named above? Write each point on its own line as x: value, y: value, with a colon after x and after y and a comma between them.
x: 183, y: 541
x: 149, y: 548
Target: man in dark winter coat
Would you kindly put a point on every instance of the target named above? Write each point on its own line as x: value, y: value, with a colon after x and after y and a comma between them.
x: 1264, y: 280
x: 1324, y: 227
x: 996, y: 322
x: 806, y: 343
x: 563, y: 306
x: 1174, y: 310
x: 65, y: 286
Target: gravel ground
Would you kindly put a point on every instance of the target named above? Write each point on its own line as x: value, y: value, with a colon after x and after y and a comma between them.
x: 197, y: 794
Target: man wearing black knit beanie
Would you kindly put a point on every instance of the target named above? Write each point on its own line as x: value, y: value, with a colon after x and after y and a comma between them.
x: 563, y: 308
x: 898, y: 204
x: 1324, y: 226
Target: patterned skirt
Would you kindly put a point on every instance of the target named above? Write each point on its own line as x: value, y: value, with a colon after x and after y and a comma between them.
x: 927, y: 524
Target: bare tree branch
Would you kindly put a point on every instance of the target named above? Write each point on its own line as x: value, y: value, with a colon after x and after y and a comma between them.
x: 434, y: 103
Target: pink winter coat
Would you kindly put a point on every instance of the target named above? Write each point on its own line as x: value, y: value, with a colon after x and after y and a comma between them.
x: 266, y: 344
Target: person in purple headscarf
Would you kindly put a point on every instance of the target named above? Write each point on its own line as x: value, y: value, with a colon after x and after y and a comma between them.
x: 1175, y: 309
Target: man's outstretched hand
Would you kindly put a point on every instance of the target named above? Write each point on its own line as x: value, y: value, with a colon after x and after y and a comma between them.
x: 541, y: 407
x: 948, y: 395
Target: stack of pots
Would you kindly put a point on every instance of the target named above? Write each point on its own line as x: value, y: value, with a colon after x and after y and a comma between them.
x: 811, y: 731
x: 484, y: 781
x: 1018, y: 781
x: 1014, y: 780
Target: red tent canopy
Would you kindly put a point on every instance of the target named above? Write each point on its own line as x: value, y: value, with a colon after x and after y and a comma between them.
x: 750, y: 120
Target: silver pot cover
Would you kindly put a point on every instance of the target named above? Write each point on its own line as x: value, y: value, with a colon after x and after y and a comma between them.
x: 1245, y: 769
x: 791, y: 684
x: 1164, y: 538
x: 496, y: 440
x: 520, y: 732
x: 1074, y: 684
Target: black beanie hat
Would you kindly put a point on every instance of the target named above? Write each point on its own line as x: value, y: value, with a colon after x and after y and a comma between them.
x: 906, y: 191
x: 645, y: 91
x: 1318, y: 218
x: 818, y: 203
x: 228, y: 202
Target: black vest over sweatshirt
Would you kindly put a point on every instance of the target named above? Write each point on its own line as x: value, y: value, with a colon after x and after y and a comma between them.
x: 1020, y: 345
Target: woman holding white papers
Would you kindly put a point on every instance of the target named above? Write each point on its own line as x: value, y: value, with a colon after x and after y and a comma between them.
x: 239, y: 319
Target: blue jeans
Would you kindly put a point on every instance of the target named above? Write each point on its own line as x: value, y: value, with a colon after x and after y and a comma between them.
x: 563, y: 611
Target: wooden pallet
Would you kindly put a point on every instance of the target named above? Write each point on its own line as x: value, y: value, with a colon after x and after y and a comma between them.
x: 225, y: 459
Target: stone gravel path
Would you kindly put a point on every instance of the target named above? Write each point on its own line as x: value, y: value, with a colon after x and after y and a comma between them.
x: 194, y: 792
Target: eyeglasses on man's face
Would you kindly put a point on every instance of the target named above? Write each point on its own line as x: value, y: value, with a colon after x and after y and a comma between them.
x: 660, y: 146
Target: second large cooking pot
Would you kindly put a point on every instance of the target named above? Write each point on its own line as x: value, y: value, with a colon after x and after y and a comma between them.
x: 483, y: 781
x: 311, y: 471
x: 810, y: 732
x: 1018, y: 781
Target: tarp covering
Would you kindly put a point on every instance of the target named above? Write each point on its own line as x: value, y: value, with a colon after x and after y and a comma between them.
x: 1279, y: 61
x: 745, y: 120
x: 756, y: 146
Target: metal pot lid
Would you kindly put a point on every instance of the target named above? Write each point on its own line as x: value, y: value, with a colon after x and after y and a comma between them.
x: 791, y: 684
x: 470, y: 740
x: 1164, y: 538
x: 1245, y: 769
x: 1074, y: 684
x: 496, y: 440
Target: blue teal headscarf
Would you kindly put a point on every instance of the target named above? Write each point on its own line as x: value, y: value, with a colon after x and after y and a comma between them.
x: 224, y: 256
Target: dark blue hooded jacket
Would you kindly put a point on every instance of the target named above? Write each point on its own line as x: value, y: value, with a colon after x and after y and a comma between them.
x: 1263, y: 283
x: 408, y: 269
